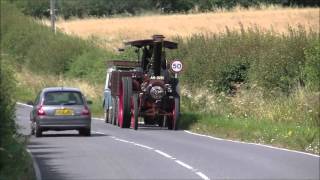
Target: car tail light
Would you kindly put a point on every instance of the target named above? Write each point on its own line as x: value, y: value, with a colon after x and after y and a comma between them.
x: 41, y: 111
x: 85, y: 111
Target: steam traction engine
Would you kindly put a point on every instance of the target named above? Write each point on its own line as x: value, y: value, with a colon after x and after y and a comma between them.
x: 143, y: 89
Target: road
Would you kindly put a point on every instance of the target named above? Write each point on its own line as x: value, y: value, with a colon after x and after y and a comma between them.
x: 154, y: 153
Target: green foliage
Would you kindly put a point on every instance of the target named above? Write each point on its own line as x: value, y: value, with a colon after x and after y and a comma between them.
x: 42, y: 51
x: 7, y: 86
x: 312, y: 65
x: 90, y: 65
x: 37, y: 46
x: 15, y: 162
x: 265, y: 59
x: 290, y: 135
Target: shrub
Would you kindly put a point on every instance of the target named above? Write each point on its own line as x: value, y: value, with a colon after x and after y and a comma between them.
x: 15, y: 162
x: 266, y: 59
x: 312, y: 66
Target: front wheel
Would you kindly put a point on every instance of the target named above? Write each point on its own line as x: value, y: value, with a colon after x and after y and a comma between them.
x: 173, y: 123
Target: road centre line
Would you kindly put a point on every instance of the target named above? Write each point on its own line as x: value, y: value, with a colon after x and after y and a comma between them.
x: 163, y: 154
x: 184, y: 164
x: 144, y: 146
x: 202, y: 175
x: 97, y: 132
x: 122, y: 140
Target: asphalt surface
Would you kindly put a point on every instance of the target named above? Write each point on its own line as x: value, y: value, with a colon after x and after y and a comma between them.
x: 155, y: 153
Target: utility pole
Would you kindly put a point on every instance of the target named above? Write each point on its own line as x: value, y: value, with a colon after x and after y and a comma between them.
x: 53, y: 15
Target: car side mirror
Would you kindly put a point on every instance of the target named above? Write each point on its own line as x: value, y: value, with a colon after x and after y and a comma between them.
x: 89, y: 102
x: 30, y: 103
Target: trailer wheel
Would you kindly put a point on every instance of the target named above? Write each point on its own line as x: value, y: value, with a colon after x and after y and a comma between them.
x: 124, y: 116
x: 173, y: 122
x: 114, y: 111
x: 106, y: 116
x: 161, y: 120
x: 134, y: 112
x: 148, y: 120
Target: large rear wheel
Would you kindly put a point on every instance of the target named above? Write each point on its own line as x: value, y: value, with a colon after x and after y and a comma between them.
x: 134, y: 112
x: 124, y: 116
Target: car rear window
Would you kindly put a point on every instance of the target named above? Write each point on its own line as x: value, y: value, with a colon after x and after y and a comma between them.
x: 63, y: 98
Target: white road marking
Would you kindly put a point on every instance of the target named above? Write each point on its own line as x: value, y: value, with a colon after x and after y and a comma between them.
x: 22, y: 104
x: 262, y: 145
x: 98, y: 132
x: 122, y: 140
x: 144, y: 146
x: 202, y: 175
x: 100, y: 119
x: 163, y: 154
x: 35, y: 166
x: 184, y: 164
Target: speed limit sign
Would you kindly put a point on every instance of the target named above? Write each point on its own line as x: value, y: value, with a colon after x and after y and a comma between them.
x: 176, y: 66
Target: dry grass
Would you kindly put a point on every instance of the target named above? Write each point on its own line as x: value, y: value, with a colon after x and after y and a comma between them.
x: 116, y: 30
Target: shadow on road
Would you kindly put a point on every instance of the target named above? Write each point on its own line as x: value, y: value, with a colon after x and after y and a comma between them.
x: 72, y: 135
x: 45, y: 156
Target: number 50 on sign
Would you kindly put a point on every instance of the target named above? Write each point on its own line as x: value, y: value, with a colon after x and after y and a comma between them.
x: 176, y: 66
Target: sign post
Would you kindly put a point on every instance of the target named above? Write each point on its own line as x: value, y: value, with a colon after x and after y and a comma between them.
x: 176, y: 67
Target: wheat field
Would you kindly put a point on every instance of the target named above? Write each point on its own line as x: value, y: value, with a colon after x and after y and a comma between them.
x: 118, y: 29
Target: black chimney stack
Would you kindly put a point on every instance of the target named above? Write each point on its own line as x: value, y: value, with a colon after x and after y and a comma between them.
x: 157, y: 54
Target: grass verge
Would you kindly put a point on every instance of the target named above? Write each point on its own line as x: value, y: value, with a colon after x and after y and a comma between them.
x: 292, y: 135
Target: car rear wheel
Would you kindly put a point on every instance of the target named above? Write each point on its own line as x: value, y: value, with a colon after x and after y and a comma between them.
x: 38, y: 131
x: 32, y: 128
x: 85, y: 132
